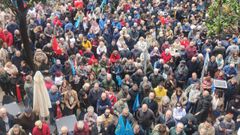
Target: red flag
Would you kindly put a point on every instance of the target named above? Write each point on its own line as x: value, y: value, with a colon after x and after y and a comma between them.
x: 55, y: 46
x: 59, y: 112
x: 19, y: 97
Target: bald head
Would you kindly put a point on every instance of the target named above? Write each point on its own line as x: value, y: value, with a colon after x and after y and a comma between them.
x: 3, y: 112
x: 144, y: 107
x: 179, y: 127
x: 64, y: 130
x: 205, y: 93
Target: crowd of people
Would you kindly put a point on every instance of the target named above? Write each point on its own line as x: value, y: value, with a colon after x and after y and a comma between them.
x: 122, y: 67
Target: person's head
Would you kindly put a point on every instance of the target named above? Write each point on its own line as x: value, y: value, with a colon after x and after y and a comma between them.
x: 139, y: 71
x: 3, y: 112
x: 64, y: 130
x: 28, y: 112
x: 107, y: 112
x: 213, y: 58
x: 135, y: 87
x: 208, y: 122
x: 194, y: 59
x: 155, y: 71
x: 90, y: 110
x: 104, y: 96
x: 58, y: 62
x: 38, y: 124
x: 179, y: 127
x: 168, y: 114
x: 219, y: 56
x: 16, y: 129
x: 80, y: 125
x: 228, y: 117
x: 151, y: 95
x: 194, y: 75
x: 48, y: 25
x: 109, y: 77
x: 54, y: 88
x: 179, y: 105
x: 125, y: 112
x: 144, y: 108
x: 231, y: 65
x: 28, y: 78
x: 18, y: 53
x: 205, y: 93
x: 96, y: 86
x: 178, y: 91
x: 145, y: 79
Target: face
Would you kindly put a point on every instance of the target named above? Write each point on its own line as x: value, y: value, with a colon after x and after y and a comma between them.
x: 151, y: 96
x: 179, y: 128
x: 16, y: 131
x: 39, y: 126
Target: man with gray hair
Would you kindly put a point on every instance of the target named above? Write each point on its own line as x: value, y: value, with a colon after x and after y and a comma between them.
x: 6, y: 121
x: 178, y: 130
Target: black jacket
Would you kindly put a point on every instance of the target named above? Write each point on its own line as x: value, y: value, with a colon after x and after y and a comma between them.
x: 3, y: 126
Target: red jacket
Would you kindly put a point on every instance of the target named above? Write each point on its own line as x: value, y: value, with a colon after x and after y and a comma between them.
x: 84, y: 131
x: 9, y: 39
x: 114, y: 58
x: 45, y: 130
x: 191, y: 51
x: 2, y: 36
x: 184, y: 43
x: 166, y: 57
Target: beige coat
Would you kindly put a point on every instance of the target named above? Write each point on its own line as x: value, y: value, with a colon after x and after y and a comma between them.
x: 182, y: 99
x: 40, y: 57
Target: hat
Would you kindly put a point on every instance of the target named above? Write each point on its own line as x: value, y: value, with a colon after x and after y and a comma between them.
x: 28, y: 110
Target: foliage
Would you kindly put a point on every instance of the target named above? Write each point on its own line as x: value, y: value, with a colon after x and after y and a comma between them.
x: 223, y: 17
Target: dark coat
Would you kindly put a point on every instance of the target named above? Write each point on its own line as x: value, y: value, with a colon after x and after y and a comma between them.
x: 3, y: 126
x: 203, y: 106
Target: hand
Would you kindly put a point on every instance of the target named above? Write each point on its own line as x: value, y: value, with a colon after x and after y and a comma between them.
x: 197, y: 113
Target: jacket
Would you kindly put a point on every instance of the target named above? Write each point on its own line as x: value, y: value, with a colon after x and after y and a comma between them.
x: 102, y: 105
x: 182, y: 99
x: 84, y: 131
x: 27, y: 123
x: 145, y: 119
x: 160, y: 92
x: 11, y: 122
x: 44, y: 131
x: 173, y: 132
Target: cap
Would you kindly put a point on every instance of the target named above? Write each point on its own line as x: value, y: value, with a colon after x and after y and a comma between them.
x: 28, y: 110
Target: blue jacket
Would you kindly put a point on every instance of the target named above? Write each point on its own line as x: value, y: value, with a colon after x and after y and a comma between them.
x: 102, y: 22
x: 229, y: 71
x: 102, y: 105
x: 54, y: 97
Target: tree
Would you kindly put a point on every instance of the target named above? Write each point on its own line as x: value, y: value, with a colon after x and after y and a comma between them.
x: 223, y: 17
x: 20, y: 9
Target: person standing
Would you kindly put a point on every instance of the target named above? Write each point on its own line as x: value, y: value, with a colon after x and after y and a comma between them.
x: 145, y: 118
x: 6, y: 121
